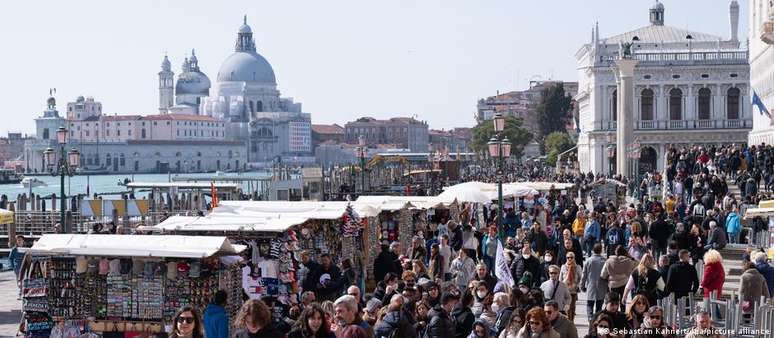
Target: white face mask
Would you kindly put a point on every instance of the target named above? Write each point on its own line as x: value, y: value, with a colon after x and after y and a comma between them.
x: 548, y: 258
x: 481, y: 294
x: 495, y: 307
x: 525, y: 256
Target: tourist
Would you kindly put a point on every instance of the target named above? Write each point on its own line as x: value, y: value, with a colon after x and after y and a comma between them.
x: 537, y: 325
x: 503, y: 309
x: 591, y: 283
x: 254, y: 321
x: 462, y: 269
x: 733, y: 226
x: 704, y: 328
x: 346, y: 315
x: 215, y: 318
x: 325, y: 280
x: 387, y: 261
x: 682, y: 278
x: 570, y: 275
x: 462, y: 315
x: 188, y: 324
x: 441, y: 324
x: 617, y: 270
x: 591, y: 234
x: 601, y: 328
x: 437, y: 269
x: 645, y: 280
x: 653, y: 326
x: 767, y: 271
x: 448, y: 255
x: 483, y: 276
x: 714, y: 276
x: 636, y: 312
x: 612, y: 310
x: 480, y: 330
x: 717, y: 238
x: 514, y: 325
x: 526, y: 262
x: 751, y: 287
x: 559, y: 322
x: 15, y: 258
x: 311, y: 324
x: 395, y: 322
x: 554, y: 289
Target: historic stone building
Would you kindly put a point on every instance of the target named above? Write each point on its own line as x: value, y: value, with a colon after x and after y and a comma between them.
x: 761, y: 36
x: 402, y: 132
x: 689, y: 88
x: 520, y: 103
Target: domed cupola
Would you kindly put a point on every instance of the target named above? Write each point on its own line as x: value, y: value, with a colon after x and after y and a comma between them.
x: 657, y: 14
x: 191, y: 80
x: 246, y: 65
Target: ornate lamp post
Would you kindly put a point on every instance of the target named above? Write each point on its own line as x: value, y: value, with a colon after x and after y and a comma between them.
x: 361, y: 150
x: 64, y: 166
x: 499, y: 148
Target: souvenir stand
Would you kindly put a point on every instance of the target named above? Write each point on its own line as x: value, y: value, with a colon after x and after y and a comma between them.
x: 276, y: 234
x: 114, y: 284
x: 399, y: 218
x: 765, y: 210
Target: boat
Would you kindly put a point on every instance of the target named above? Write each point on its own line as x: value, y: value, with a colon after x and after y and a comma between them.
x: 32, y: 182
x: 9, y: 176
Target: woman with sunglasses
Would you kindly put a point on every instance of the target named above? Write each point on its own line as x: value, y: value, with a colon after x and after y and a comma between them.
x: 570, y: 275
x: 188, y: 324
x: 636, y: 313
x: 602, y: 328
x: 514, y: 325
x: 254, y: 321
x: 653, y: 326
x: 537, y: 325
x: 312, y: 324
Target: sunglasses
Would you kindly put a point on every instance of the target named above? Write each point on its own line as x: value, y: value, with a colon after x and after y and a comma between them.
x: 535, y: 323
x: 187, y: 320
x: 655, y: 317
x: 553, y: 273
x: 570, y: 257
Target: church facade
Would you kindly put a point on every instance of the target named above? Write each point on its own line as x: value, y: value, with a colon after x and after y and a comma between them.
x: 689, y: 88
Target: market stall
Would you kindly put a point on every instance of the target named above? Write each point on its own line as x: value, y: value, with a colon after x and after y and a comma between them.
x: 124, y: 283
x: 277, y: 233
x: 765, y: 211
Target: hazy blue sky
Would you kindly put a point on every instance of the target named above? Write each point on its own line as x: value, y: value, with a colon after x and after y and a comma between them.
x: 341, y: 59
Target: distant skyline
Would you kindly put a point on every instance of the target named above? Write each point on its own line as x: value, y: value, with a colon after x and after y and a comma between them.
x: 342, y: 60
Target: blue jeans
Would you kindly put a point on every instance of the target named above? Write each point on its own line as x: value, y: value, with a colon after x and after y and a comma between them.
x: 490, y: 262
x: 733, y: 237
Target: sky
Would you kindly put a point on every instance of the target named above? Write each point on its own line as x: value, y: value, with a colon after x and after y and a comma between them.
x: 343, y: 59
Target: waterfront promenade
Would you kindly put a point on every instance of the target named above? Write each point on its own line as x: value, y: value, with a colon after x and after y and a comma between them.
x: 10, y: 307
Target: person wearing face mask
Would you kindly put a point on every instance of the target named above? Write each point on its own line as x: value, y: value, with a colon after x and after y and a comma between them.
x: 525, y: 262
x: 548, y: 260
x: 501, y: 306
x: 483, y: 276
x: 481, y: 294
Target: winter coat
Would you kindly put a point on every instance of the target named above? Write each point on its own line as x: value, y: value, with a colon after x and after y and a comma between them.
x: 753, y: 286
x: 462, y: 271
x: 503, y: 319
x: 659, y: 231
x: 717, y: 238
x: 767, y: 271
x: 561, y: 295
x: 393, y: 321
x: 539, y: 240
x: 578, y: 226
x: 733, y: 224
x: 573, y: 285
x: 266, y: 332
x: 215, y: 321
x: 714, y: 277
x: 520, y: 265
x: 617, y: 270
x: 682, y: 280
x: 440, y: 324
x: 486, y: 325
x: 593, y: 231
x: 463, y: 320
x: 564, y: 327
x: 596, y: 288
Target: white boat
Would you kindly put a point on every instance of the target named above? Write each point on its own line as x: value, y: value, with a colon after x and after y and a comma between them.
x: 32, y: 182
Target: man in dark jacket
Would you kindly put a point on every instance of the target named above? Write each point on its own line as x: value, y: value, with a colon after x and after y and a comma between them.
x: 463, y: 316
x: 395, y: 323
x: 441, y: 324
x: 386, y: 261
x: 326, y: 279
x: 612, y: 309
x: 659, y: 233
x: 455, y: 235
x: 761, y: 263
x: 717, y: 238
x: 525, y: 262
x: 215, y: 318
x: 682, y: 279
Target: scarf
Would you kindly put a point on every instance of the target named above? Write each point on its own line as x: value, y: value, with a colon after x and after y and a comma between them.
x: 570, y: 281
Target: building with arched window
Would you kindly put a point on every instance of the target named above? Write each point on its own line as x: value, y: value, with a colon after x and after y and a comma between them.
x: 689, y: 88
x: 761, y: 37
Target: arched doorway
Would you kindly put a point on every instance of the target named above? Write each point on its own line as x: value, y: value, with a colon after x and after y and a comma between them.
x: 648, y: 159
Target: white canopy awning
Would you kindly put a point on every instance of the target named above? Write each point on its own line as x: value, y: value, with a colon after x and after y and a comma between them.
x: 546, y: 186
x: 762, y: 212
x: 393, y: 203
x: 135, y: 245
x: 480, y: 192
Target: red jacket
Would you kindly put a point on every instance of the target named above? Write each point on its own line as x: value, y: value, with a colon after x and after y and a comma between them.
x: 714, y: 277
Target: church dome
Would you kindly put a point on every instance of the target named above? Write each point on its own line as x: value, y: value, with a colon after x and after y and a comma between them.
x: 195, y: 83
x: 246, y: 66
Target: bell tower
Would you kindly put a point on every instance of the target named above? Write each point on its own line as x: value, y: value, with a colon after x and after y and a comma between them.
x: 166, y: 86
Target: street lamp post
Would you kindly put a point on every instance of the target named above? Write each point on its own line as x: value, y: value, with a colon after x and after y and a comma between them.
x: 499, y: 148
x: 64, y: 166
x: 361, y: 149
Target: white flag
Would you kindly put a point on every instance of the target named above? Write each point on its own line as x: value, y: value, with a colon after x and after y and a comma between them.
x: 501, y: 266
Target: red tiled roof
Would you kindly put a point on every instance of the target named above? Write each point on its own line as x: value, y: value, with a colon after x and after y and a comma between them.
x: 328, y: 129
x: 180, y: 117
x: 120, y: 117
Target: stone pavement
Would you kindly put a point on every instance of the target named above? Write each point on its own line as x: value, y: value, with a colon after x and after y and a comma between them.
x: 10, y: 306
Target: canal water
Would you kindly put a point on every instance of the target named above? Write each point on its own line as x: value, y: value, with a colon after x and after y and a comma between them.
x: 107, y: 183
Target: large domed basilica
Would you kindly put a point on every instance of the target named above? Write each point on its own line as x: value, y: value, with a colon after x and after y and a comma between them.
x: 246, y: 97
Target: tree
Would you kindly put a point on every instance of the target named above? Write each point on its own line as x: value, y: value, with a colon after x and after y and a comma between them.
x: 552, y: 112
x: 514, y: 131
x: 557, y: 143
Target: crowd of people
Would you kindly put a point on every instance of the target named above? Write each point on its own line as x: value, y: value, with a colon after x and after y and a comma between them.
x: 468, y: 277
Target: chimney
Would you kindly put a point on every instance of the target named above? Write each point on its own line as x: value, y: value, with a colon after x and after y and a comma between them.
x: 733, y: 13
